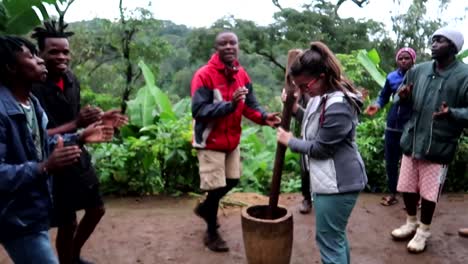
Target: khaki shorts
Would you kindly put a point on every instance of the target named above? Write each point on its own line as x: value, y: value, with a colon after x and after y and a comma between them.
x: 217, y: 166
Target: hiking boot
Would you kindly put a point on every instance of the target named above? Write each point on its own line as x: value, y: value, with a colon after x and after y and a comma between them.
x: 405, y: 231
x: 305, y: 207
x: 463, y: 232
x: 418, y: 243
x: 215, y: 243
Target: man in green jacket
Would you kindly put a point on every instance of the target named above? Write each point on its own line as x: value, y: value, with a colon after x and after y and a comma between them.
x: 437, y: 91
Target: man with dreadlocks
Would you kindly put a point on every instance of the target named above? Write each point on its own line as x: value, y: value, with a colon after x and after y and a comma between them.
x: 76, y: 188
x: 25, y: 163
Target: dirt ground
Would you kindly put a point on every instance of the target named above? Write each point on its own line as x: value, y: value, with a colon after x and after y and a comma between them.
x: 165, y: 230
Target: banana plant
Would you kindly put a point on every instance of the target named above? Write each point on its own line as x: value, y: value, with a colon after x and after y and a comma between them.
x: 370, y: 61
x: 150, y: 102
x: 462, y: 55
x: 19, y: 17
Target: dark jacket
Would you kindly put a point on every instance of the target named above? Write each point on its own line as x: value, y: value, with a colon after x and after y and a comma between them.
x: 399, y: 113
x: 217, y: 124
x: 25, y: 198
x: 431, y: 139
x: 62, y: 107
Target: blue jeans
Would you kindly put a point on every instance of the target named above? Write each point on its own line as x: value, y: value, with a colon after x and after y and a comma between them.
x: 332, y: 212
x: 32, y: 248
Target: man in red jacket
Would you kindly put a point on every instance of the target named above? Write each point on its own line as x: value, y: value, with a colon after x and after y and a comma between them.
x: 221, y: 93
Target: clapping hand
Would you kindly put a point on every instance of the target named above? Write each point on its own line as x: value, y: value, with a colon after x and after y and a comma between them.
x: 114, y: 118
x: 61, y: 156
x: 239, y: 95
x: 88, y: 115
x: 444, y: 111
x: 97, y: 133
x: 405, y: 91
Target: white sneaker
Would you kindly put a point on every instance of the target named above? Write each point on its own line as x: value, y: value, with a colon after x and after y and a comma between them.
x: 418, y: 243
x: 405, y: 231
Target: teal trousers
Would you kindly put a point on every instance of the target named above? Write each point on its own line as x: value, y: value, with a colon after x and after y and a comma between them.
x: 332, y: 212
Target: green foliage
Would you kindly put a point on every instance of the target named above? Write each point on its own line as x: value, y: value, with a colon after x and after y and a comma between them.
x: 370, y: 140
x: 103, y: 100
x: 149, y: 102
x: 370, y: 61
x: 414, y: 28
x: 462, y: 55
x: 157, y: 159
x: 257, y: 156
x: 103, y: 63
x: 457, y: 177
x: 258, y: 149
x: 18, y: 16
x: 355, y: 71
x: 3, y: 17
x: 291, y: 178
x: 154, y: 154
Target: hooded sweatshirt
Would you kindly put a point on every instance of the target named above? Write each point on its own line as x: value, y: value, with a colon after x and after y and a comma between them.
x: 328, y: 144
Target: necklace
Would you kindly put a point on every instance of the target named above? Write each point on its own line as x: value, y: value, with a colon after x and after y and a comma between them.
x: 28, y: 111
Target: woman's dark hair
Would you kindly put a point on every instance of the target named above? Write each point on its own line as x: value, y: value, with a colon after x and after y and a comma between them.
x: 51, y: 29
x: 9, y: 47
x: 320, y: 59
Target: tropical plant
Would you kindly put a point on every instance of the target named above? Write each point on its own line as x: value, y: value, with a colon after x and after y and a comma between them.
x: 149, y: 102
x: 154, y: 153
x: 370, y: 60
x: 370, y: 140
x: 18, y: 17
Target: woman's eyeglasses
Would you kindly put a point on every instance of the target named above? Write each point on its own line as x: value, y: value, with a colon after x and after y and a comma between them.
x: 305, y: 86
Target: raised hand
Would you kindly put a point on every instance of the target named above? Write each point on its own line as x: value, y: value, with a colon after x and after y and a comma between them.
x: 239, y: 95
x: 97, y: 133
x: 371, y: 110
x: 444, y: 111
x: 405, y: 91
x: 88, y: 115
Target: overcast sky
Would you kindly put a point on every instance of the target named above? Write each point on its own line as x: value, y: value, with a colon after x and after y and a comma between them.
x: 202, y: 13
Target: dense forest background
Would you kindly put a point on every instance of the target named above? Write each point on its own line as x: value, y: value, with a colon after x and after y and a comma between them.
x: 104, y: 49
x: 144, y: 66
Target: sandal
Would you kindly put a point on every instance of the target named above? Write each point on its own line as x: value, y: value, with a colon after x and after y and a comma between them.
x: 389, y: 200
